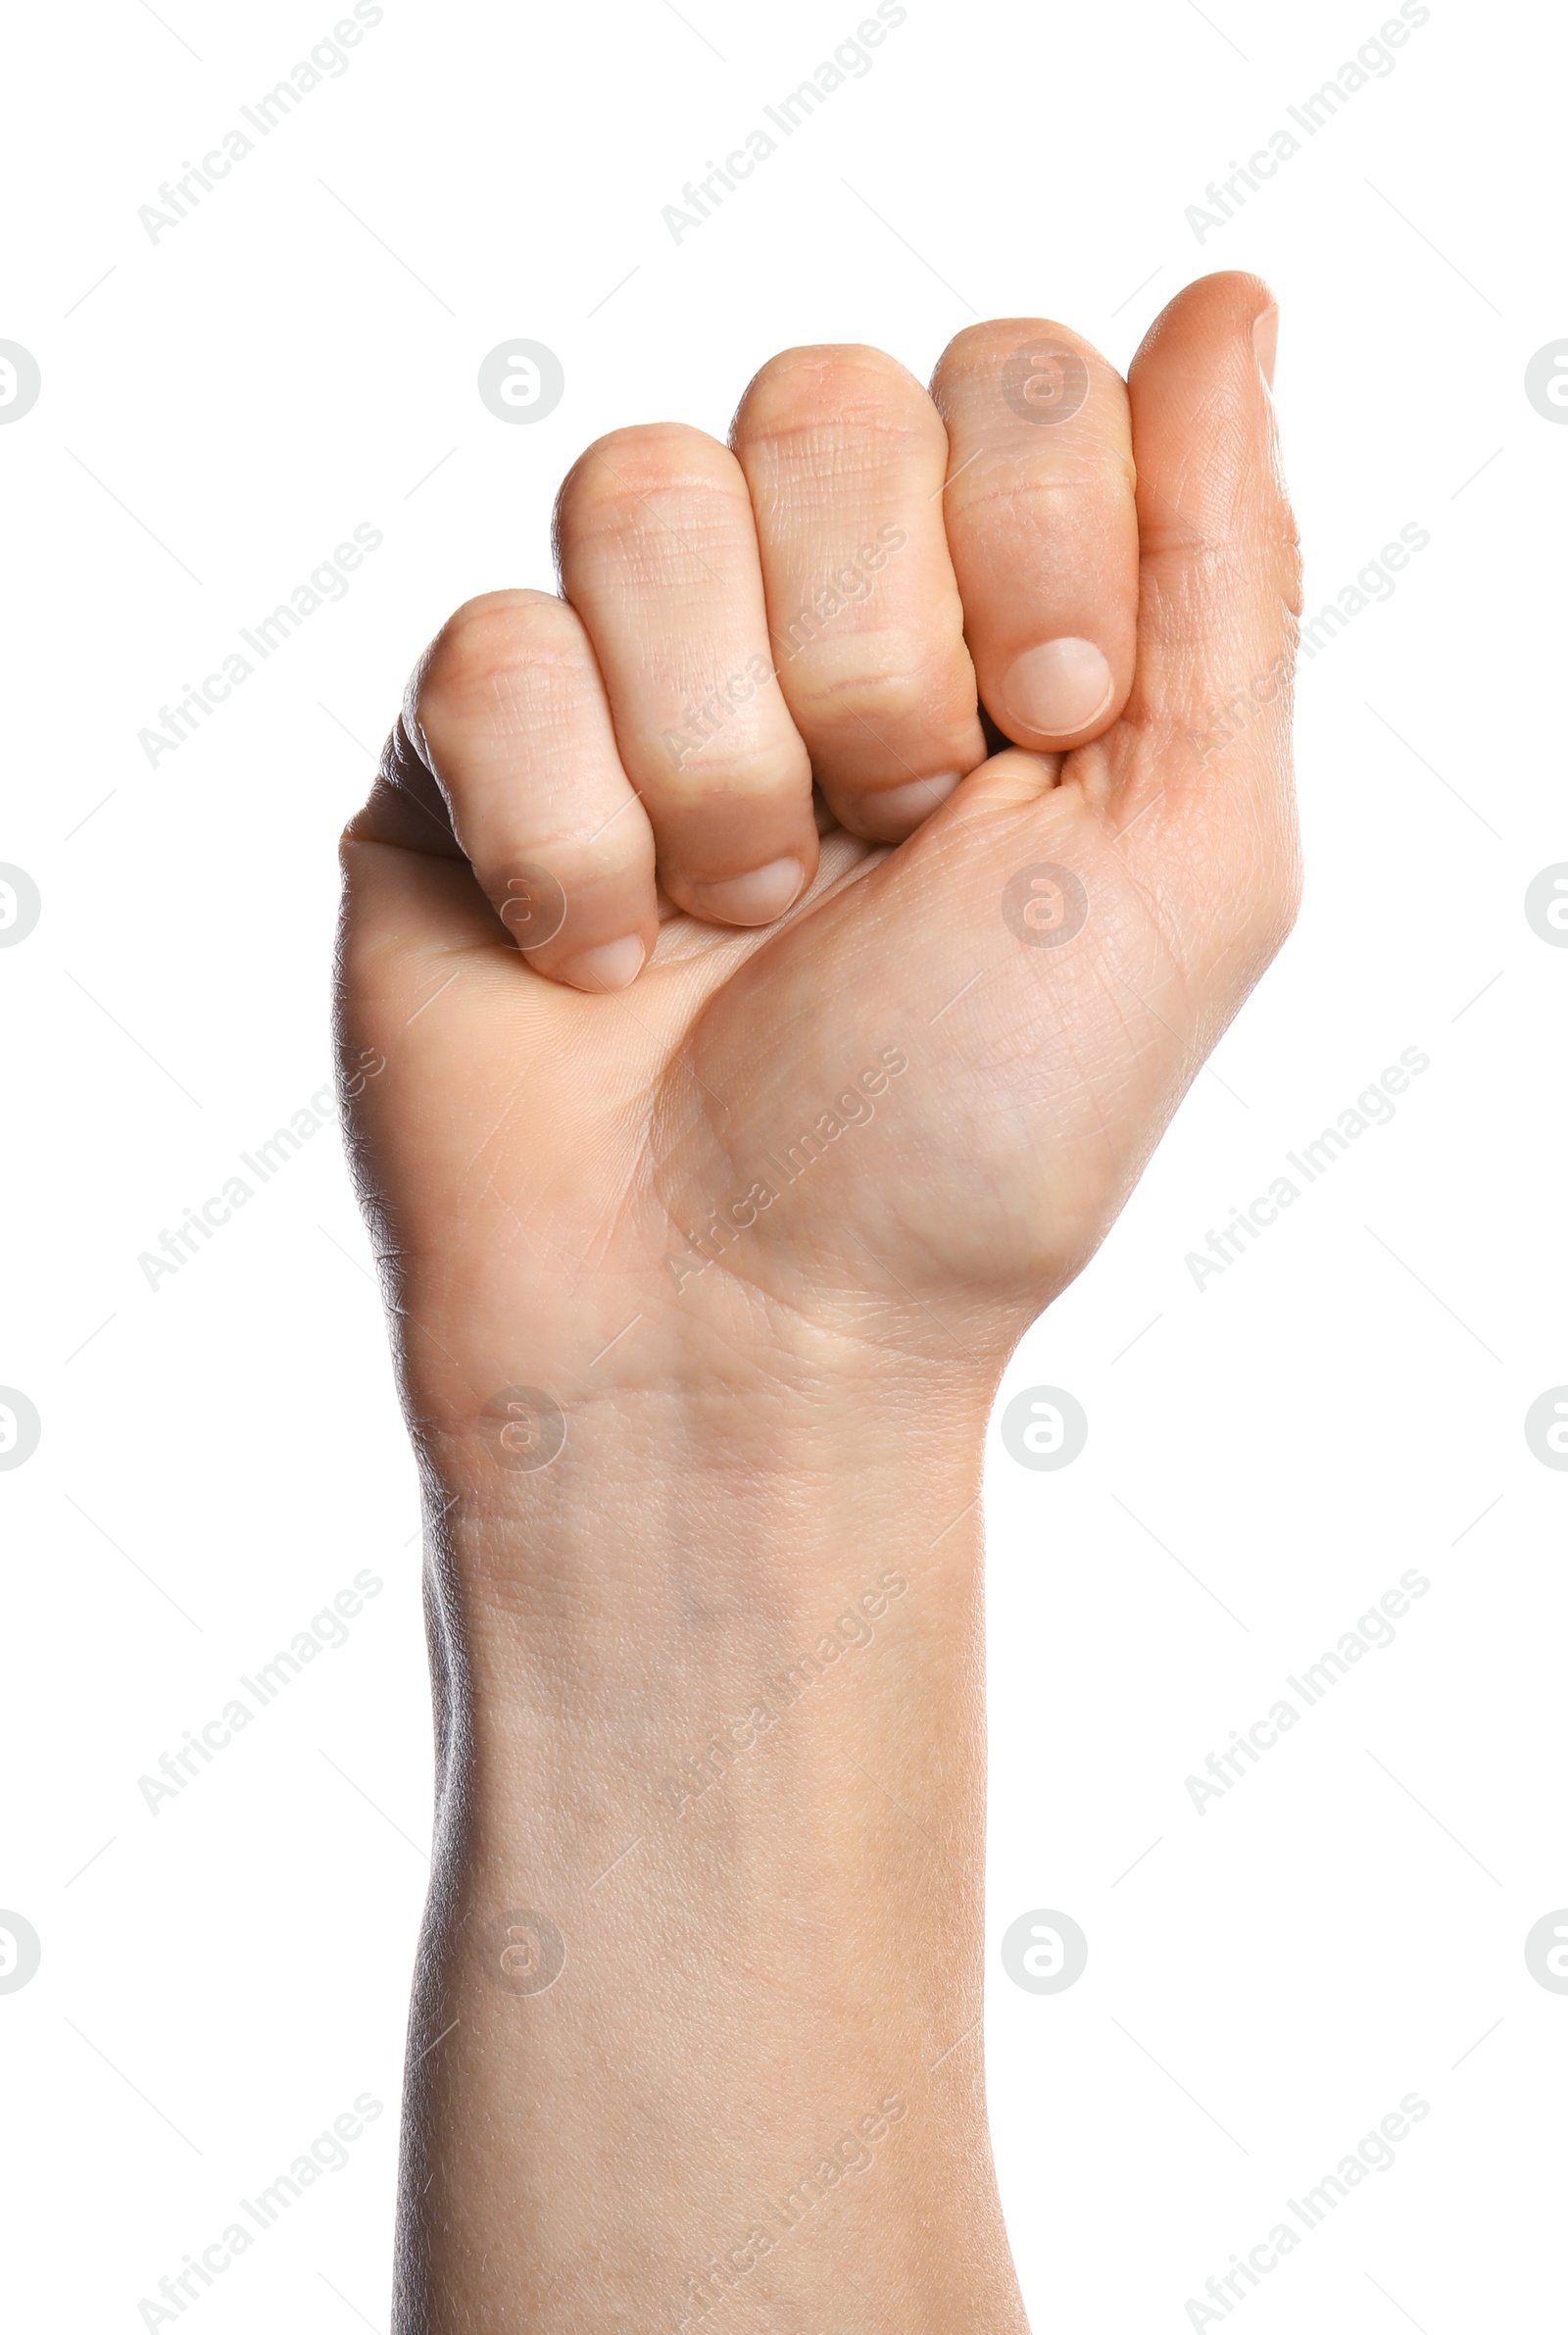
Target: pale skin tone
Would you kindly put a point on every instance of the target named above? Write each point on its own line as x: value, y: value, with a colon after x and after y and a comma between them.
x: 686, y: 1725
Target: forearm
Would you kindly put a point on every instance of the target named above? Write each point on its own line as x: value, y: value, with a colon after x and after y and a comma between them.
x: 715, y: 1697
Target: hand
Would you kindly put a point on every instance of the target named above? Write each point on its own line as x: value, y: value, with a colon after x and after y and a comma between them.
x: 836, y: 1082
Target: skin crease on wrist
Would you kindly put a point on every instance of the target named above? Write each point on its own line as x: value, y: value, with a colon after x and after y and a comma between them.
x: 707, y: 1240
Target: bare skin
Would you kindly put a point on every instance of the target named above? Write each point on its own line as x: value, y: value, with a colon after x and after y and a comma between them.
x: 720, y: 1140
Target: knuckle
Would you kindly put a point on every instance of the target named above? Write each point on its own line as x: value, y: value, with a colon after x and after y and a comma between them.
x: 650, y: 504
x: 1040, y: 487
x: 483, y: 648
x: 841, y: 383
x: 900, y: 691
x: 646, y: 458
x: 994, y: 337
x: 980, y: 351
x: 727, y: 768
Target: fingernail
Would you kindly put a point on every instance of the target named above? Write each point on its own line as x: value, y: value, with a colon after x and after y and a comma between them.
x: 897, y: 811
x: 756, y: 898
x: 1057, y: 688
x: 613, y: 965
x: 1266, y: 341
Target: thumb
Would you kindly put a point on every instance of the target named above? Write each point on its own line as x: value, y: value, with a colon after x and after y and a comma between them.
x: 1206, y: 734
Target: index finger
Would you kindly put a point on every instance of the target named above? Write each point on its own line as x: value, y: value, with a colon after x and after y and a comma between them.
x: 1042, y: 525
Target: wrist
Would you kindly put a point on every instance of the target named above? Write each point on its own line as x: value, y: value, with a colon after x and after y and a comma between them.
x: 799, y: 1446
x: 682, y: 1573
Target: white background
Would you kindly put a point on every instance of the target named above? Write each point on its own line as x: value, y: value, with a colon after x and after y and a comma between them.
x: 220, y: 1455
